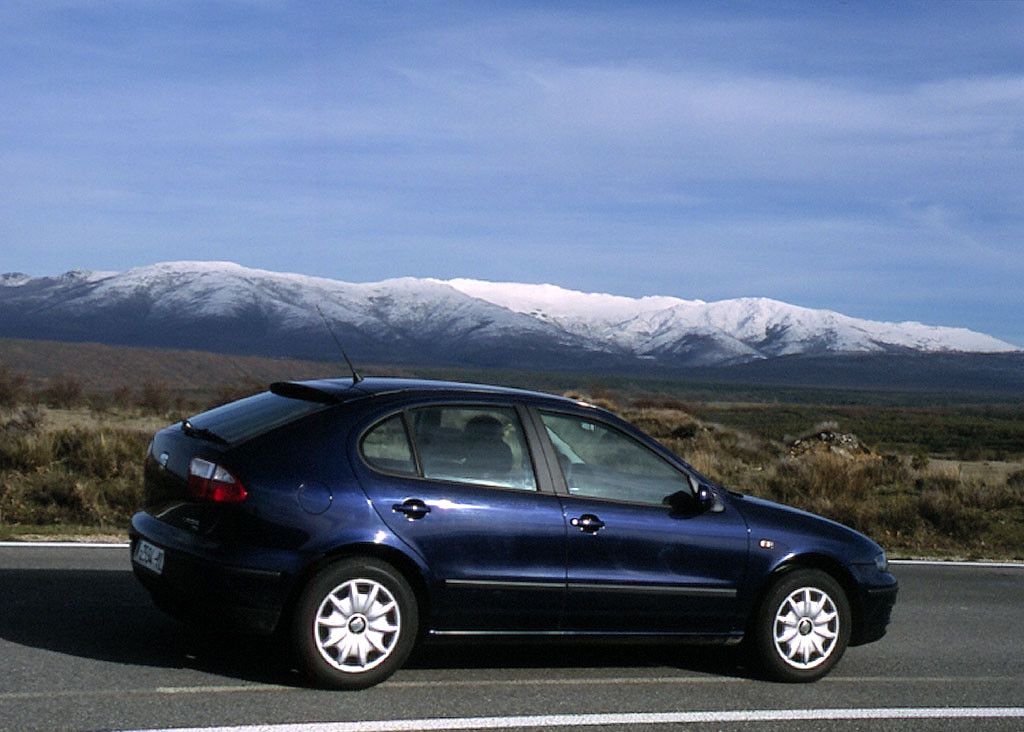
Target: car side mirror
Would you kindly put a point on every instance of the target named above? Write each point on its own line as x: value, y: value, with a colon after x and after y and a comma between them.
x: 705, y: 498
x: 698, y: 499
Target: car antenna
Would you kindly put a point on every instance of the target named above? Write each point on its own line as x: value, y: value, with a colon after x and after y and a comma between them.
x: 356, y: 378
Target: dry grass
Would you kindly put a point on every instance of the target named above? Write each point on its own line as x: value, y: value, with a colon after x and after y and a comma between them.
x: 101, y: 369
x: 79, y: 464
x: 60, y: 470
x: 71, y: 459
x: 984, y: 471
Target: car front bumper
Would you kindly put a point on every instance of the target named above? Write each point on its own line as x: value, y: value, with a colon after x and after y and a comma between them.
x: 876, y: 605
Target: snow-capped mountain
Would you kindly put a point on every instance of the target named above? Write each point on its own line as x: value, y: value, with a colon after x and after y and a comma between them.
x: 756, y: 327
x: 227, y: 307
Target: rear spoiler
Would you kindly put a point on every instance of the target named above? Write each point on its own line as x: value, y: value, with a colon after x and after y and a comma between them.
x: 305, y: 392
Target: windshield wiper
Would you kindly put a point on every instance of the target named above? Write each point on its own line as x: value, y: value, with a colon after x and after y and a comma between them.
x: 201, y: 432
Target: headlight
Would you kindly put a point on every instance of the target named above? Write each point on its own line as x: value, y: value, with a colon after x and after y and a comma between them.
x: 882, y: 562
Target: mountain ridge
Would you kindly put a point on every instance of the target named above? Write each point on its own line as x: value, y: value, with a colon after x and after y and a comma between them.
x: 223, y: 306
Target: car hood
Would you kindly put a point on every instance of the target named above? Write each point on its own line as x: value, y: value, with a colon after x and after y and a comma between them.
x: 802, y: 531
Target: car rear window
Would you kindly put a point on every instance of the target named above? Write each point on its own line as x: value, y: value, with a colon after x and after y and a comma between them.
x: 239, y: 421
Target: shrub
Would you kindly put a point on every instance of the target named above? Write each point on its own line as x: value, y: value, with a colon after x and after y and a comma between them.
x: 900, y: 519
x: 64, y: 391
x: 821, y: 476
x: 13, y: 390
x: 949, y: 516
x: 970, y: 453
x: 888, y: 471
x: 99, y: 454
x: 989, y: 497
x: 74, y: 475
x: 29, y: 419
x: 122, y: 397
x: 827, y: 484
x: 238, y: 390
x: 154, y: 398
x: 22, y: 445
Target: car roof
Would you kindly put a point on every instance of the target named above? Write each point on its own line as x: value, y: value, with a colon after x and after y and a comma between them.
x: 346, y: 389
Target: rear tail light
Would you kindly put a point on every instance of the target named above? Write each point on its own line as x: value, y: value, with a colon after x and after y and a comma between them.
x: 212, y: 482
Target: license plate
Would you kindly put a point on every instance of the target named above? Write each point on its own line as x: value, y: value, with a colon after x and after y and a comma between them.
x: 149, y: 556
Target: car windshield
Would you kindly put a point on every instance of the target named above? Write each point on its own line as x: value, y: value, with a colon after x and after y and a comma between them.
x: 242, y: 420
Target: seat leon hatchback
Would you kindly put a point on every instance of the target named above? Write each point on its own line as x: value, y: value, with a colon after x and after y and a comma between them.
x: 358, y: 517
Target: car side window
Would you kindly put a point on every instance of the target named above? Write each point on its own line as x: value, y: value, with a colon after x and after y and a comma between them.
x: 473, y: 445
x: 600, y: 461
x: 386, y: 447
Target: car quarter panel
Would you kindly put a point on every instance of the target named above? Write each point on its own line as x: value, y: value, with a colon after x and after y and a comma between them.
x: 244, y: 560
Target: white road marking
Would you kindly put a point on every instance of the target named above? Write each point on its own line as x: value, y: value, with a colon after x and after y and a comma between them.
x: 612, y: 720
x: 950, y: 563
x: 393, y: 685
x: 62, y: 545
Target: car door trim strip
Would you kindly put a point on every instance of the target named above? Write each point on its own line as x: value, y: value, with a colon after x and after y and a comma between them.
x: 506, y: 584
x: 660, y: 589
x: 722, y: 592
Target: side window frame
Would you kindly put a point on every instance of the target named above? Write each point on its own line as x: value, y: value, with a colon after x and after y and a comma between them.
x: 689, y: 480
x: 541, y: 472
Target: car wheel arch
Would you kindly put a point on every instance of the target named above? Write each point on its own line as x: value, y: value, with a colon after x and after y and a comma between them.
x: 354, y: 624
x: 801, y: 626
x: 402, y: 564
x: 822, y: 562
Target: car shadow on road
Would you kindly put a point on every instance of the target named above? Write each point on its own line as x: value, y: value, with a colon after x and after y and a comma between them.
x: 579, y: 654
x: 108, y: 616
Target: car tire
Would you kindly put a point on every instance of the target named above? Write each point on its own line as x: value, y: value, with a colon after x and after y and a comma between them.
x: 354, y: 624
x: 802, y: 627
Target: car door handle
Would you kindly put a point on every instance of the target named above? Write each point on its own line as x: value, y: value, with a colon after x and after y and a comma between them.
x: 588, y: 522
x: 413, y: 508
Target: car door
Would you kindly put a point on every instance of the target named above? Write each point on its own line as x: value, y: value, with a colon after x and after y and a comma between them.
x: 457, y: 483
x: 641, y: 556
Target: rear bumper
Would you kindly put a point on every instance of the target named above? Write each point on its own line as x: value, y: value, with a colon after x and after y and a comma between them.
x: 203, y: 583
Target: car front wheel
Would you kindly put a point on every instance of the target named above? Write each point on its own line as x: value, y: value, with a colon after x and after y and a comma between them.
x: 802, y: 627
x: 354, y: 624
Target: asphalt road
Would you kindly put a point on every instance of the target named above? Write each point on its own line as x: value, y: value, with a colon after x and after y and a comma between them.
x: 82, y: 648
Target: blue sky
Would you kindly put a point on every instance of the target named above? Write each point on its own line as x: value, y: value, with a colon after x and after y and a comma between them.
x: 861, y: 157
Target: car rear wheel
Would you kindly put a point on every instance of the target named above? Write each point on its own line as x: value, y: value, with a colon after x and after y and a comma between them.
x: 802, y: 627
x: 355, y: 624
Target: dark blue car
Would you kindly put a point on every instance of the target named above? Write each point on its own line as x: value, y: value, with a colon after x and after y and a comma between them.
x: 359, y: 516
